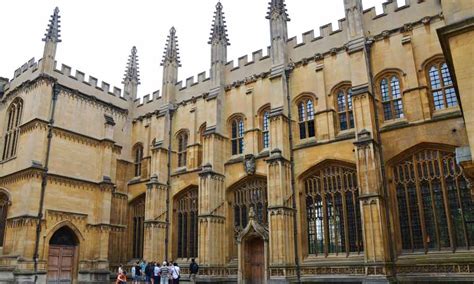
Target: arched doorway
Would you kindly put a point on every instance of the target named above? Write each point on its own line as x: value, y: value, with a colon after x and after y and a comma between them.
x: 254, y: 261
x: 253, y: 251
x: 62, y: 256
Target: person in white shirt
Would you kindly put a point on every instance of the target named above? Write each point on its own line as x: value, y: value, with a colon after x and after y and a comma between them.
x: 176, y: 273
x: 156, y: 273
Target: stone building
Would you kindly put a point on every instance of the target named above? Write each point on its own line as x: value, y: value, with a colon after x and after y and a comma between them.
x: 344, y: 157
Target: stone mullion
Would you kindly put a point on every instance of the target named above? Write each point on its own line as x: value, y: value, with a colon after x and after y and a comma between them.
x: 420, y: 203
x: 446, y: 202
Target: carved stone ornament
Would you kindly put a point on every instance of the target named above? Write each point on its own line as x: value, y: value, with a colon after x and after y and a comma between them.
x: 249, y: 164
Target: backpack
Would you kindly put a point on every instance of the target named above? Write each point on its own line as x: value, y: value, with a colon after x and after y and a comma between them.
x: 194, y: 268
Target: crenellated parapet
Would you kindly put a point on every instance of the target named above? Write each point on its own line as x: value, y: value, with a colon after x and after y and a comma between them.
x: 90, y: 85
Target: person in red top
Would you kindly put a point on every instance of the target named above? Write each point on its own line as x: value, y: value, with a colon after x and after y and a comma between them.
x: 121, y: 278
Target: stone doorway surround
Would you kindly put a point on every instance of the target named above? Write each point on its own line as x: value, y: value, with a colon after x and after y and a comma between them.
x: 252, y: 232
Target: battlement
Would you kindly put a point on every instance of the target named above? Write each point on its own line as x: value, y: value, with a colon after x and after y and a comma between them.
x: 22, y: 74
x: 90, y: 86
x: 330, y: 40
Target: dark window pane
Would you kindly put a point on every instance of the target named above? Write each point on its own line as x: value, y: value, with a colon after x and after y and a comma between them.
x: 311, y: 131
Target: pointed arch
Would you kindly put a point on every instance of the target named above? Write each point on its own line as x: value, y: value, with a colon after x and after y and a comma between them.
x: 65, y: 224
x: 331, y: 210
x: 12, y: 128
x: 186, y: 206
x: 5, y: 202
x: 432, y: 201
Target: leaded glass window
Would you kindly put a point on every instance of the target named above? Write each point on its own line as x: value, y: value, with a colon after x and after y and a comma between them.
x: 4, y: 202
x: 266, y: 129
x: 187, y: 224
x: 250, y: 194
x: 138, y: 228
x: 391, y: 96
x: 12, y: 132
x: 442, y: 88
x: 182, y: 148
x: 434, y: 202
x: 138, y: 152
x: 333, y: 211
x: 344, y: 108
x: 237, y: 130
x: 306, y: 118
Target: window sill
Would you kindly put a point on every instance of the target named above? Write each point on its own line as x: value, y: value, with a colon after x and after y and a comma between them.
x: 333, y: 258
x: 235, y: 159
x: 348, y: 133
x: 446, y: 112
x: 434, y: 256
x: 7, y: 160
x: 393, y: 123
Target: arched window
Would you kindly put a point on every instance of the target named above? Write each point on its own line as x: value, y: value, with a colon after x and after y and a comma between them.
x: 202, y: 130
x: 332, y: 211
x: 250, y: 194
x: 434, y: 202
x: 138, y: 153
x: 12, y: 129
x: 182, y: 148
x: 391, y: 96
x: 187, y: 224
x: 137, y: 226
x: 266, y: 129
x: 344, y: 108
x: 237, y: 130
x: 306, y: 118
x: 4, y: 203
x: 441, y: 86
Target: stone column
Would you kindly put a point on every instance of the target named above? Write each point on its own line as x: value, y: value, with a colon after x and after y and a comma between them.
x: 155, y: 220
x: 372, y: 192
x: 212, y: 205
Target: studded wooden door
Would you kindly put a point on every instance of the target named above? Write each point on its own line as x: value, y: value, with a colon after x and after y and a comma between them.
x: 254, y: 261
x: 60, y: 264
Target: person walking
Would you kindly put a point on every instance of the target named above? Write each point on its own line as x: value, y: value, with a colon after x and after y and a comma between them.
x: 193, y: 271
x: 121, y: 278
x: 176, y: 273
x: 156, y: 273
x: 148, y: 272
x: 164, y: 273
x: 171, y: 272
x: 142, y: 266
x: 138, y: 273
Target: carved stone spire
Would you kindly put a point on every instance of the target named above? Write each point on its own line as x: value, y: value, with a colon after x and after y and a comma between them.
x: 131, y: 72
x: 171, y: 54
x: 51, y: 39
x: 277, y: 9
x: 131, y: 79
x: 219, y: 27
x: 170, y: 65
x: 52, y: 32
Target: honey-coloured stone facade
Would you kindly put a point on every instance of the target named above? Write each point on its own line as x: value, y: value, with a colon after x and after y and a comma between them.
x: 344, y: 157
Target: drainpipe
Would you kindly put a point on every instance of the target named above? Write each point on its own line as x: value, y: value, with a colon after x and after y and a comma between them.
x: 44, y: 178
x: 368, y: 61
x: 168, y: 181
x: 288, y: 71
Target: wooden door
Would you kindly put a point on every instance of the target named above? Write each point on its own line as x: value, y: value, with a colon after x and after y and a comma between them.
x: 60, y: 264
x: 254, y: 262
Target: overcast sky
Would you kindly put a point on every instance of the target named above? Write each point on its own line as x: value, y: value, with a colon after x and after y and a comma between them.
x: 97, y: 36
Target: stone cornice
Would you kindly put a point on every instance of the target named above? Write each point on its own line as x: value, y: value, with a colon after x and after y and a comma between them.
x: 92, y: 99
x: 29, y: 85
x: 75, y: 136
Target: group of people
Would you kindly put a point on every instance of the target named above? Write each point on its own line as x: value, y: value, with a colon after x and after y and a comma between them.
x: 156, y: 273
